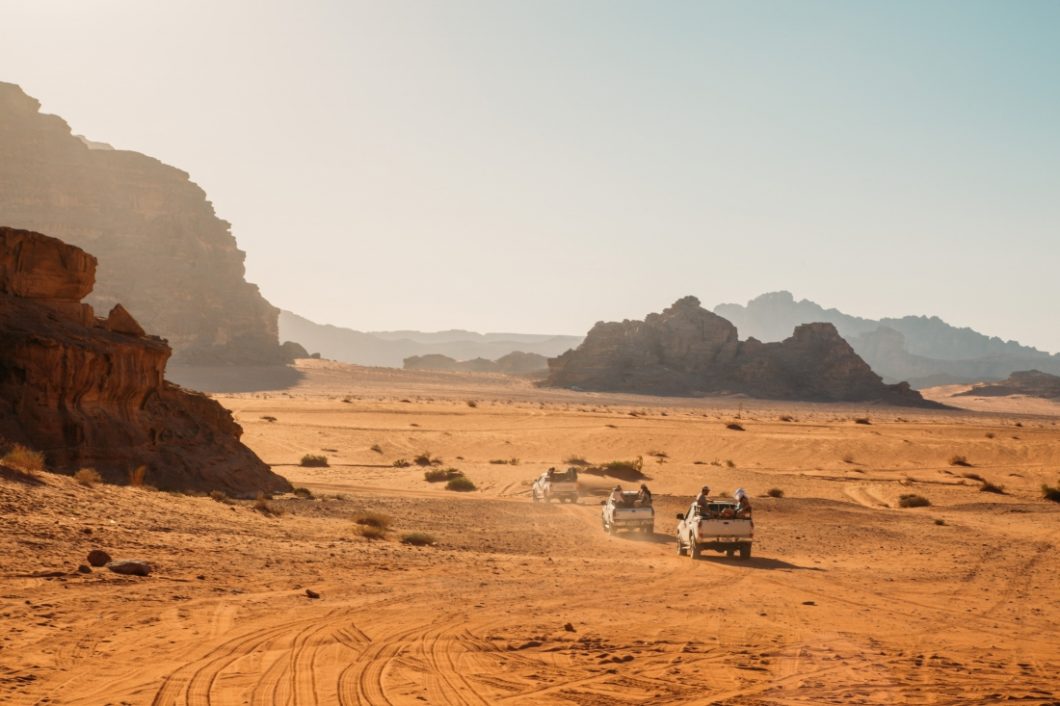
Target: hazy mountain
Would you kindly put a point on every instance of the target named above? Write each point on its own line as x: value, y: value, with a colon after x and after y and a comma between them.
x: 923, y: 350
x: 391, y: 348
x: 1031, y: 383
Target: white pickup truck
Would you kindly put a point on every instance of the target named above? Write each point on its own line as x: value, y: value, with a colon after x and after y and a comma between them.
x: 561, y: 485
x: 719, y: 527
x: 627, y: 514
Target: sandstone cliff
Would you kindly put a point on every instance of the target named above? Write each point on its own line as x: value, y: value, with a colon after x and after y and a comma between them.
x: 164, y: 253
x: 1029, y: 383
x: 90, y: 392
x: 687, y: 350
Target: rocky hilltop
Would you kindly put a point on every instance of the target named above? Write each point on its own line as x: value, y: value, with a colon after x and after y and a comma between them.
x: 515, y: 363
x: 687, y: 350
x: 164, y: 252
x: 925, y: 350
x: 1029, y: 383
x: 91, y: 392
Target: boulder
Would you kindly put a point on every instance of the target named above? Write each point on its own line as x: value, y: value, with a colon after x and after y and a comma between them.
x: 130, y: 567
x: 98, y: 557
x: 121, y: 321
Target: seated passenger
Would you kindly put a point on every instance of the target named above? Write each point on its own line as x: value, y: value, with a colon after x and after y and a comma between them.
x: 703, y: 501
x: 644, y: 496
x: 743, y: 504
x: 616, y: 495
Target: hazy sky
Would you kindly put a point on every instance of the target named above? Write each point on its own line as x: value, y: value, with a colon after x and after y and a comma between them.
x: 539, y: 166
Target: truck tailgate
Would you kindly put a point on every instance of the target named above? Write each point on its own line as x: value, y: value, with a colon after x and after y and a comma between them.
x: 725, y: 528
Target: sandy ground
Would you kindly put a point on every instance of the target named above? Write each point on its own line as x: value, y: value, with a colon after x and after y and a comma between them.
x: 847, y: 600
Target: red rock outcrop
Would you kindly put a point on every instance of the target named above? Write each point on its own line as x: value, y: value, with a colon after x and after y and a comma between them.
x: 687, y: 350
x: 91, y: 392
x: 164, y: 253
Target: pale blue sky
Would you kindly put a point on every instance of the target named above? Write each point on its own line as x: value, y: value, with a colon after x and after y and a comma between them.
x: 539, y: 166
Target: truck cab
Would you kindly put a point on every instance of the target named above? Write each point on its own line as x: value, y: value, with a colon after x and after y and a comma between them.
x: 558, y: 485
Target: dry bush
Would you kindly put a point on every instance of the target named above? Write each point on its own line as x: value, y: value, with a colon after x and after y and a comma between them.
x: 973, y: 476
x: 221, y: 497
x: 371, y: 532
x: 461, y: 484
x: 269, y: 418
x: 611, y: 426
x: 88, y: 476
x: 775, y: 493
x: 266, y: 508
x: 734, y: 426
x: 377, y: 448
x: 313, y: 461
x: 786, y: 418
x: 575, y: 461
x: 437, y: 475
x: 989, y: 435
x: 729, y: 463
x: 988, y: 487
x: 425, y: 459
x: 959, y: 460
x: 862, y: 420
x: 940, y: 522
x: 504, y: 461
x: 1051, y: 493
x: 848, y: 458
x: 372, y: 519
x: 472, y: 404
x: 418, y: 539
x: 401, y: 463
x: 137, y: 475
x: 913, y: 500
x: 23, y: 458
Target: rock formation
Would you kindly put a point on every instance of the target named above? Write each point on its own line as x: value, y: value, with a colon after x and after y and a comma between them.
x: 1029, y: 383
x: 164, y: 253
x: 90, y: 392
x: 515, y: 363
x: 687, y: 350
x: 390, y: 348
x: 924, y: 350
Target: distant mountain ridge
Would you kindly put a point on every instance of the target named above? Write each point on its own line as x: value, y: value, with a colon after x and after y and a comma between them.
x: 924, y: 350
x: 391, y: 348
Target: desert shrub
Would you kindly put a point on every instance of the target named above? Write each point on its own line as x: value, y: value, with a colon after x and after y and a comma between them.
x: 940, y: 522
x: 472, y: 404
x: 313, y: 461
x: 303, y: 493
x: 862, y: 420
x: 729, y: 463
x: 437, y: 475
x: 461, y: 484
x: 1051, y: 493
x: 1018, y: 424
x: 734, y: 426
x: 504, y: 461
x: 611, y: 426
x: 23, y: 458
x: 88, y: 476
x: 786, y: 418
x: 959, y: 460
x: 371, y: 532
x: 988, y: 487
x: 137, y: 475
x: 973, y: 476
x: 268, y: 418
x: 372, y: 519
x: 262, y: 505
x: 775, y: 493
x: 575, y: 461
x: 699, y: 463
x: 913, y: 500
x: 377, y: 448
x: 425, y: 459
x: 990, y: 435
x: 220, y: 496
x: 848, y: 458
x: 659, y: 454
x: 347, y: 400
x: 406, y: 400
x: 418, y: 539
x: 401, y: 463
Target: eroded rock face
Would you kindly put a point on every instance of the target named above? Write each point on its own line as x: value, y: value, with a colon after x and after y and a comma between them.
x: 164, y: 253
x: 91, y: 392
x: 687, y: 350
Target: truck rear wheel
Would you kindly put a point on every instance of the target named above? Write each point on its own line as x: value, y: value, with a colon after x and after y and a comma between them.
x: 681, y: 550
x: 693, y: 550
x: 745, y: 551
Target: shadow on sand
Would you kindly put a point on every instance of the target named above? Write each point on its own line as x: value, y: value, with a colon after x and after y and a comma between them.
x: 18, y: 476
x: 757, y: 562
x: 234, y: 378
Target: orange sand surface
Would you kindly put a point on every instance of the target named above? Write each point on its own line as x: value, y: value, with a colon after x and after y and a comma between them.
x: 848, y: 599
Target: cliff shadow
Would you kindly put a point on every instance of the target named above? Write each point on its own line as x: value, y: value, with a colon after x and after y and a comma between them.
x: 234, y: 378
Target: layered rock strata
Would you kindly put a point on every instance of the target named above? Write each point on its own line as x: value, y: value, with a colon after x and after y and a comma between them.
x: 164, y: 252
x: 91, y: 392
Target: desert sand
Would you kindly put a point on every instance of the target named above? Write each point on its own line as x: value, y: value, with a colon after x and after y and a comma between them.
x: 849, y: 599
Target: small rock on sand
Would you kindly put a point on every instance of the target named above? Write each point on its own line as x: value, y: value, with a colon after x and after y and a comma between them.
x: 311, y: 593
x: 98, y: 557
x: 82, y: 569
x: 130, y: 568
